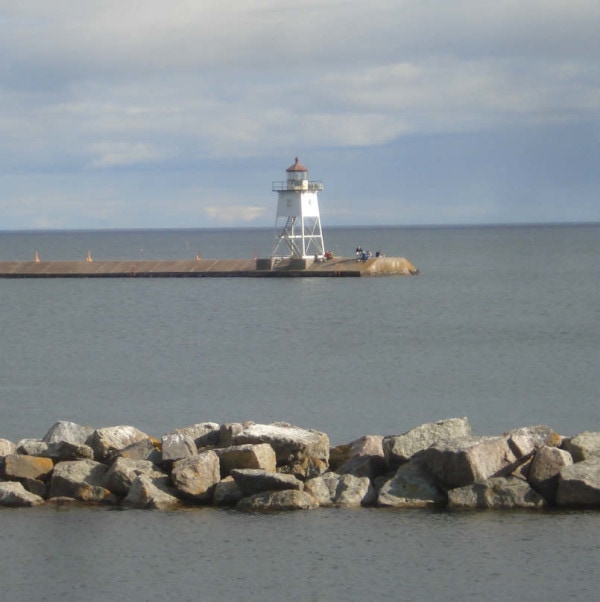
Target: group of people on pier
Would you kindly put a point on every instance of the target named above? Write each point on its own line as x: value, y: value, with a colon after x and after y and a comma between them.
x: 364, y: 255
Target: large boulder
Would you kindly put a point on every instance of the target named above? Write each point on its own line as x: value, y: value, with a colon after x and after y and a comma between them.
x: 176, y: 446
x: 12, y: 493
x: 17, y: 467
x: 229, y: 430
x: 255, y: 480
x: 323, y: 488
x: 398, y: 449
x: 410, y: 487
x: 275, y: 501
x: 203, y: 434
x: 110, y: 439
x: 544, y: 470
x: 368, y: 445
x: 58, y: 451
x: 584, y: 446
x: 364, y: 466
x: 260, y: 456
x: 80, y: 479
x: 304, y: 450
x: 460, y: 462
x: 497, y: 493
x: 7, y: 447
x: 353, y: 492
x: 524, y: 441
x: 151, y: 493
x: 70, y: 432
x: 195, y: 477
x: 332, y: 489
x: 579, y: 485
x: 144, y: 449
x: 227, y: 492
x: 122, y: 472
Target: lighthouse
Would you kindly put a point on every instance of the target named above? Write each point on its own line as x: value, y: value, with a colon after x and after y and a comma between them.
x: 298, y: 231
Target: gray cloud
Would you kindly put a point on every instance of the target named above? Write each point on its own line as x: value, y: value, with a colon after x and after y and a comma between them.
x: 107, y: 86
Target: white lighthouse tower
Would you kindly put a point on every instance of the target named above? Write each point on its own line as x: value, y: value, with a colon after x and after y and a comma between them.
x: 298, y: 224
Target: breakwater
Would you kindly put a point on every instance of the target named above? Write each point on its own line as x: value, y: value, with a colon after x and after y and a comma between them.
x: 279, y: 466
x: 199, y: 268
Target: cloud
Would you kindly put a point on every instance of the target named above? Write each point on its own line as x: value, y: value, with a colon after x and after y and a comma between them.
x: 186, y: 87
x: 229, y: 214
x: 112, y: 154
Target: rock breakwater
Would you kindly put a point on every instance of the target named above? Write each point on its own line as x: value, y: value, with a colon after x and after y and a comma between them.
x: 279, y: 466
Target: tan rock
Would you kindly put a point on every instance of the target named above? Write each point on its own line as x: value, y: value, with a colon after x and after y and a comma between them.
x: 410, y: 487
x: 497, y: 493
x: 7, y: 447
x: 399, y: 448
x: 148, y: 493
x: 579, y: 485
x: 293, y: 445
x: 17, y: 467
x: 544, y: 470
x: 584, y: 446
x: 123, y: 472
x: 72, y: 479
x: 260, y: 456
x: 460, y: 462
x: 111, y: 439
x: 368, y: 445
x: 196, y: 477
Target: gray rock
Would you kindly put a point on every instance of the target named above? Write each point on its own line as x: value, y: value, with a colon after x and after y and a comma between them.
x: 80, y: 479
x: 332, y: 489
x: 69, y: 432
x: 364, y: 466
x: 497, y: 493
x: 7, y: 447
x: 122, y: 472
x: 149, y: 493
x: 544, y: 469
x: 584, y: 446
x: 526, y: 440
x: 255, y: 480
x: 306, y: 449
x: 107, y: 440
x: 275, y: 501
x: 323, y: 488
x: 260, y: 456
x: 12, y: 493
x: 144, y: 449
x: 58, y: 451
x: 353, y: 492
x: 368, y: 445
x: 203, y: 434
x: 399, y: 448
x: 579, y: 485
x: 176, y: 446
x: 196, y: 477
x: 460, y: 462
x: 18, y: 467
x: 411, y: 487
x: 227, y: 492
x: 229, y: 430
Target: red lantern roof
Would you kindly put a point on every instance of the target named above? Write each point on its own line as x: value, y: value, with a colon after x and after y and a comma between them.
x: 297, y: 167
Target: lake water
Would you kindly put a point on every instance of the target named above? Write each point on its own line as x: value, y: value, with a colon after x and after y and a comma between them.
x: 501, y: 326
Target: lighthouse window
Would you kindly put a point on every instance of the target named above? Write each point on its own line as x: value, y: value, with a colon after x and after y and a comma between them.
x: 289, y: 202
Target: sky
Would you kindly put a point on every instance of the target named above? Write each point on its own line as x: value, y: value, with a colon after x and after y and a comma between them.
x: 181, y: 114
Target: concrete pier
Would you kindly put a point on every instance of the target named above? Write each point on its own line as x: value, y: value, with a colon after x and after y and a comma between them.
x: 194, y: 268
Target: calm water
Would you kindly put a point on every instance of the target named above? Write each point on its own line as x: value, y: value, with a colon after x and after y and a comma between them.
x: 501, y: 326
